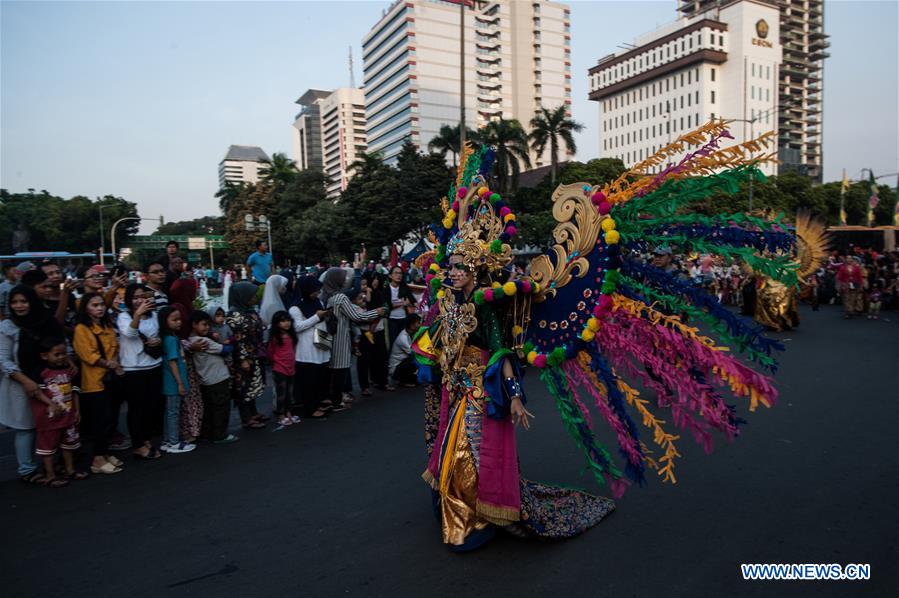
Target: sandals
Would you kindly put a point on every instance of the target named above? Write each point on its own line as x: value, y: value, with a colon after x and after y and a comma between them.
x: 253, y: 425
x: 365, y: 392
x: 107, y: 468
x: 54, y: 482
x: 114, y: 460
x: 35, y: 477
x: 77, y: 475
x: 151, y: 456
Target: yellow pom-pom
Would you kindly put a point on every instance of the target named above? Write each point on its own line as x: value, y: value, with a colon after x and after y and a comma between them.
x: 441, y: 294
x: 588, y: 335
x: 535, y: 287
x: 608, y: 224
x: 496, y: 285
x: 509, y: 288
x: 531, y: 357
x: 516, y: 330
x: 434, y: 268
x: 447, y: 223
x: 483, y: 191
x: 508, y: 217
x: 593, y: 324
x: 451, y: 214
x: 612, y: 237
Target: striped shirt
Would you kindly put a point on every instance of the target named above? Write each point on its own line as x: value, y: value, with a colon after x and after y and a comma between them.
x: 346, y: 314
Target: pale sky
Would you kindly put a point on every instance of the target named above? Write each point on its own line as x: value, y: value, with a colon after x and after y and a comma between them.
x: 142, y: 99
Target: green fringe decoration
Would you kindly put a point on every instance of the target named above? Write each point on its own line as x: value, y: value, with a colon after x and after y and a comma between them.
x: 740, y: 219
x: 575, y: 423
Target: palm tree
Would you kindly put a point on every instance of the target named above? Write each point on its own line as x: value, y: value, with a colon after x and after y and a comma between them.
x: 226, y: 195
x: 366, y: 163
x: 279, y: 171
x: 447, y: 140
x: 547, y: 127
x: 510, y: 142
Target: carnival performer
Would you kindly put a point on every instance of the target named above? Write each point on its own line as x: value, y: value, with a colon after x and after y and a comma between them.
x: 591, y: 320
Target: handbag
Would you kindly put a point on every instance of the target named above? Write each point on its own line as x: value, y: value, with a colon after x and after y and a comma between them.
x: 110, y: 379
x: 154, y: 351
x: 322, y: 339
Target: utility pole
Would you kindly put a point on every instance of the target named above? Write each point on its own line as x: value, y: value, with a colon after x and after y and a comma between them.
x: 461, y: 78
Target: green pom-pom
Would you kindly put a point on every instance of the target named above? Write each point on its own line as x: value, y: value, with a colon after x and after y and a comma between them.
x: 608, y: 288
x: 557, y: 356
x: 528, y: 347
x: 496, y: 246
x: 479, y: 297
x: 498, y: 293
x: 435, y: 283
x: 495, y: 197
x: 612, y: 276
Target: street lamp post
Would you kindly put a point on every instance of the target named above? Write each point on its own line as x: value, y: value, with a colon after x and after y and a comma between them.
x: 260, y: 222
x: 102, y: 237
x: 119, y: 221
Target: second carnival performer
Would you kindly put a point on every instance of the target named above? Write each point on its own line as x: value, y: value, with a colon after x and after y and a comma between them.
x: 588, y: 315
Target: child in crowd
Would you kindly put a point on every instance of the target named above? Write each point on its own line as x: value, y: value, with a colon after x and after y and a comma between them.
x: 174, y: 380
x: 281, y: 350
x: 56, y: 413
x: 875, y: 296
x: 215, y: 378
x: 402, y: 364
x: 219, y: 331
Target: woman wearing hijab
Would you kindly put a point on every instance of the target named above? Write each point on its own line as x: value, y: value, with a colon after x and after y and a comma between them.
x: 346, y: 314
x: 20, y: 333
x: 310, y: 318
x: 182, y: 294
x: 380, y: 354
x: 246, y: 326
x: 272, y: 301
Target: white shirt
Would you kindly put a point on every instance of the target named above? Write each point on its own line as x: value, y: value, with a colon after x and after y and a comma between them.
x: 306, y: 351
x: 401, y: 349
x: 396, y: 313
x: 131, y: 347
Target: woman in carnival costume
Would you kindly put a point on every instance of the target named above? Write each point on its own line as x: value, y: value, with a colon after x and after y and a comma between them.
x: 588, y: 317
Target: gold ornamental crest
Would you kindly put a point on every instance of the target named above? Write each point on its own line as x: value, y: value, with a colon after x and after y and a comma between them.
x: 761, y: 28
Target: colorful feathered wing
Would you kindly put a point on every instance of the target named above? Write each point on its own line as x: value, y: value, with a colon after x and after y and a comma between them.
x: 606, y: 322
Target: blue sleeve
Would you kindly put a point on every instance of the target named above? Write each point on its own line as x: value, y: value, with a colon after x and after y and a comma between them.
x: 499, y: 400
x: 170, y: 346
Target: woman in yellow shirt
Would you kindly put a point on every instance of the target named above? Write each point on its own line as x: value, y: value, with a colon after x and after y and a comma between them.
x: 98, y: 349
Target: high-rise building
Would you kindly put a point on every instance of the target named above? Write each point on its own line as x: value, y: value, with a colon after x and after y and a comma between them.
x: 307, y: 134
x: 343, y: 135
x: 517, y: 59
x: 329, y: 134
x: 712, y: 65
x: 801, y: 78
x: 242, y: 164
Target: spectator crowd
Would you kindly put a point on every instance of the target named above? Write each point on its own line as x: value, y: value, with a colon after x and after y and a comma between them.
x: 78, y: 352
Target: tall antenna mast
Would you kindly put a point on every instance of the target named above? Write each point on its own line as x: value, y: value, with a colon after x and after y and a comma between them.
x: 352, y: 76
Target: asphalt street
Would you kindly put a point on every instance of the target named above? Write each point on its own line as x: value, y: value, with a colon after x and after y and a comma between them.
x: 337, y: 507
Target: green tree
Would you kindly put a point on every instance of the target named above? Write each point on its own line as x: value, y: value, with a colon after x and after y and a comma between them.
x: 226, y: 195
x: 207, y: 225
x: 548, y: 127
x: 447, y: 140
x: 510, y: 142
x: 252, y: 200
x: 57, y: 224
x: 279, y: 171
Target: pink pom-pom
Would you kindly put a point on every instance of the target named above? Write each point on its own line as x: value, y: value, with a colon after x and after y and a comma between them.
x: 428, y: 278
x: 456, y: 206
x: 598, y: 198
x: 604, y: 208
x: 488, y: 295
x: 505, y: 210
x: 525, y: 286
x: 597, y: 312
x: 605, y: 302
x: 512, y: 231
x: 462, y: 192
x: 540, y: 361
